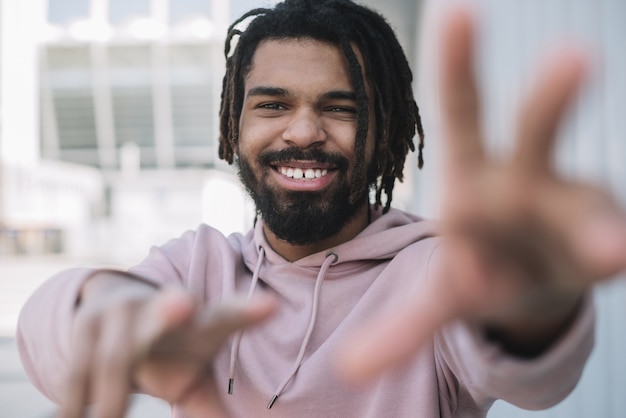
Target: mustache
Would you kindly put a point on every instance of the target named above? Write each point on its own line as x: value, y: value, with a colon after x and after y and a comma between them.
x: 294, y: 153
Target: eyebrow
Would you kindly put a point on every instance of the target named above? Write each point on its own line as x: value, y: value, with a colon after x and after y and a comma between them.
x: 340, y: 94
x: 267, y: 91
x: 279, y: 91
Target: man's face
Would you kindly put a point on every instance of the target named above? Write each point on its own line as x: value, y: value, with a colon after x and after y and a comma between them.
x: 297, y: 139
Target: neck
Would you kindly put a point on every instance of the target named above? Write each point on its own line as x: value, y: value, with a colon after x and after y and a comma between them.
x: 291, y: 252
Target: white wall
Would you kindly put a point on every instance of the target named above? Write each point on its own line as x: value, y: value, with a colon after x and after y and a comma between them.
x: 20, y: 26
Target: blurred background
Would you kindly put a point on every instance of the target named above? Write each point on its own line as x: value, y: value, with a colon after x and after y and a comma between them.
x: 108, y: 142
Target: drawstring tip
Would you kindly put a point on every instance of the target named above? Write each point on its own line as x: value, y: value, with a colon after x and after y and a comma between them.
x: 269, y: 405
x: 231, y: 383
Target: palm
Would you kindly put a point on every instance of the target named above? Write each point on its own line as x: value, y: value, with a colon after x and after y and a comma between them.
x: 177, y: 366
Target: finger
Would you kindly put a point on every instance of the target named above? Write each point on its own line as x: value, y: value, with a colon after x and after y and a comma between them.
x: 78, y: 382
x: 211, y: 327
x: 595, y: 227
x: 601, y: 243
x: 232, y: 315
x: 543, y: 111
x: 459, y: 94
x: 169, y: 309
x: 184, y: 353
x: 116, y: 357
x: 160, y: 330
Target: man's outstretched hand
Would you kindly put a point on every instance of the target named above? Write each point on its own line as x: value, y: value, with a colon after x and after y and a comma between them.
x: 526, y: 243
x: 130, y: 336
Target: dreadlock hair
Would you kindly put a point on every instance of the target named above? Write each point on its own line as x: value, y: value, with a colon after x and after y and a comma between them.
x: 347, y: 25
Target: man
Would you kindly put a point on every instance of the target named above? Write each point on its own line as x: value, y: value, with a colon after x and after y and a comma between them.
x: 317, y: 110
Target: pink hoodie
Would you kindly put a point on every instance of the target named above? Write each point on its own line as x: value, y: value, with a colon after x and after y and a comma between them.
x: 323, y: 297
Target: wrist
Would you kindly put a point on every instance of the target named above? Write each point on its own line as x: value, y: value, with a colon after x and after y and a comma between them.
x: 529, y: 335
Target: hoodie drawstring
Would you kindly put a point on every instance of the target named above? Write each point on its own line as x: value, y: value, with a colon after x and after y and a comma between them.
x: 330, y: 259
x: 237, y: 339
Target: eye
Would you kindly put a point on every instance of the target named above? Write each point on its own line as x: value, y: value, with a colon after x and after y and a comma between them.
x: 341, y: 112
x: 343, y: 109
x: 271, y: 106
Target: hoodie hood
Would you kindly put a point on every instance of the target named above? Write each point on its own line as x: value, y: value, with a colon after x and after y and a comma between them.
x: 385, y: 236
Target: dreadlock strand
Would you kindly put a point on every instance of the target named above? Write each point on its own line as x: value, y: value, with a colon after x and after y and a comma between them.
x: 357, y: 74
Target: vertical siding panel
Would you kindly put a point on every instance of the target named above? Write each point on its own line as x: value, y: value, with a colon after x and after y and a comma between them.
x: 498, y: 58
x: 615, y: 104
x: 615, y: 88
x: 590, y: 162
x: 590, y: 136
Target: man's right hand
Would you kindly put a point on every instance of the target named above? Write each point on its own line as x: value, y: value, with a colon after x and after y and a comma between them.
x: 129, y: 336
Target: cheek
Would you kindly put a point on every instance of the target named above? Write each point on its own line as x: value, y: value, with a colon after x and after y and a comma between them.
x: 248, y: 137
x: 255, y: 135
x: 246, y: 130
x: 343, y: 137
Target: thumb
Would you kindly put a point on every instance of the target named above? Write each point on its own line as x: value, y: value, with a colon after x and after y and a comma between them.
x: 169, y: 309
x: 600, y: 242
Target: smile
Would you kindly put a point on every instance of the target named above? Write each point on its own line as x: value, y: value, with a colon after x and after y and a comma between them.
x: 299, y: 173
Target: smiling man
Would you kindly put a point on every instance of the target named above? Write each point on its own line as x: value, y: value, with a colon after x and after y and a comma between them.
x: 443, y: 318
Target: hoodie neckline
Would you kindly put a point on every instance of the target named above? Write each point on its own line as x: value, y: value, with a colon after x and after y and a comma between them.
x: 364, y: 246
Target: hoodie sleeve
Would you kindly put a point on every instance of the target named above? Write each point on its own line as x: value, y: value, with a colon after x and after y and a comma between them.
x: 475, y: 372
x: 169, y: 263
x: 44, y: 330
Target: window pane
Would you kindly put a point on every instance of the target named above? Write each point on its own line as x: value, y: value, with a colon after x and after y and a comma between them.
x: 182, y: 9
x: 132, y: 110
x: 131, y: 92
x: 239, y: 7
x: 64, y: 11
x: 68, y: 73
x: 75, y: 118
x: 121, y: 11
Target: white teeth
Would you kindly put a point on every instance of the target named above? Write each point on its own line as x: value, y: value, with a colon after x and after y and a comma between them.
x: 298, y: 173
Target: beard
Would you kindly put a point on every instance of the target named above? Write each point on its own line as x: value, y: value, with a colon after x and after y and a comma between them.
x: 301, y: 218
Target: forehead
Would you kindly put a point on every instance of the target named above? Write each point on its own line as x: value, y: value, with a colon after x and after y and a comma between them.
x: 302, y: 61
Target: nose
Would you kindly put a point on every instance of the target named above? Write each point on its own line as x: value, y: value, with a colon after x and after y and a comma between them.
x: 305, y: 129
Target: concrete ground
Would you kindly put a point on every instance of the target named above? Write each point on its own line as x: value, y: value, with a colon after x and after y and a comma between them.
x: 20, y: 399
